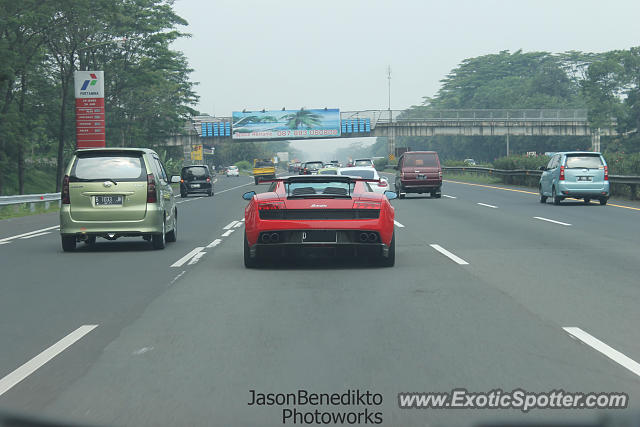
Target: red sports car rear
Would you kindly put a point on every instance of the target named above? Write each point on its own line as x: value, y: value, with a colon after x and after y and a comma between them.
x: 319, y: 213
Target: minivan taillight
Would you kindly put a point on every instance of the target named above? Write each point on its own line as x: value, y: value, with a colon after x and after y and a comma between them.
x: 64, y: 195
x: 208, y: 179
x: 561, y: 173
x: 382, y: 183
x: 151, y: 189
x: 606, y: 173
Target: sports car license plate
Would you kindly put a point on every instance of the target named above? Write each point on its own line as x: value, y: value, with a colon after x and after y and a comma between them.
x: 108, y: 200
x: 319, y: 236
x: 584, y: 178
x: 195, y: 185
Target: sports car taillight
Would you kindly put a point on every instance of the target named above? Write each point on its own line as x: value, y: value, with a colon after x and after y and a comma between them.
x: 268, y: 206
x: 366, y: 205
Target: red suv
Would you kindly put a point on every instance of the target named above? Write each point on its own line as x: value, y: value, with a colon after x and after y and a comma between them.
x: 419, y: 172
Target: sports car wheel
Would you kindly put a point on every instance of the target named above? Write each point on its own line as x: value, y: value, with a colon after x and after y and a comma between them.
x: 249, y: 262
x: 390, y: 259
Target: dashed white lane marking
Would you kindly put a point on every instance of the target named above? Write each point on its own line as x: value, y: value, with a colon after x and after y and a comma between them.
x: 398, y: 224
x: 6, y: 239
x: 227, y: 233
x: 175, y: 279
x: 196, y: 258
x: 449, y: 255
x: 488, y: 206
x: 8, y: 382
x: 449, y: 197
x: 214, y: 243
x: 238, y: 224
x: 603, y: 348
x: 551, y: 220
x: 187, y: 257
x: 228, y: 226
x: 242, y: 220
x: 36, y: 235
x: 233, y: 188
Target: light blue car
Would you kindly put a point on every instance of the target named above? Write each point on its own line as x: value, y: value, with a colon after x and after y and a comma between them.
x: 576, y: 174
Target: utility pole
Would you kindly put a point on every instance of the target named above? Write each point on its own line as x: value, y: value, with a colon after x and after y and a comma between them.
x: 391, y: 140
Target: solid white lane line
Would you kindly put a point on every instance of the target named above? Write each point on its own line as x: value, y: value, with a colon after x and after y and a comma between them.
x: 449, y: 197
x: 228, y: 226
x: 398, y: 224
x: 603, y: 348
x: 238, y: 224
x: 449, y: 255
x: 26, y: 234
x: 214, y: 243
x: 196, y: 258
x: 227, y: 233
x: 233, y: 188
x: 187, y: 257
x: 8, y: 382
x: 550, y: 220
x: 36, y: 235
x: 489, y: 206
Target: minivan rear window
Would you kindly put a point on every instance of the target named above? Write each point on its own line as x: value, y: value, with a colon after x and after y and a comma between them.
x: 420, y: 160
x: 103, y: 166
x: 195, y: 172
x: 582, y: 161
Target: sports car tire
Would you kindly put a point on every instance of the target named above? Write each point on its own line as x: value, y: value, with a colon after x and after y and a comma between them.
x: 390, y: 260
x: 248, y: 261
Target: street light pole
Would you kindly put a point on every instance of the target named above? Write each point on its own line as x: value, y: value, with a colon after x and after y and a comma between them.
x: 391, y: 142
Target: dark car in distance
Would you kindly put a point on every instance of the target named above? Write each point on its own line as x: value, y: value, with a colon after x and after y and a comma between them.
x: 196, y: 179
x: 311, y: 168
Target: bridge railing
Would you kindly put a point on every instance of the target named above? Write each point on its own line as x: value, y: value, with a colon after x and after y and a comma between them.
x: 550, y: 115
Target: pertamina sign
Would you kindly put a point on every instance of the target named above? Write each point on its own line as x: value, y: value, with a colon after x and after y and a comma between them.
x: 90, y: 125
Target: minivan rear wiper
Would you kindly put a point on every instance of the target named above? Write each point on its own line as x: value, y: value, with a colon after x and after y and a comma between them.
x: 76, y: 179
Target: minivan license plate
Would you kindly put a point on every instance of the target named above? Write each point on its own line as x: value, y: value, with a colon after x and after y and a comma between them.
x: 108, y: 200
x: 422, y: 176
x: 584, y: 178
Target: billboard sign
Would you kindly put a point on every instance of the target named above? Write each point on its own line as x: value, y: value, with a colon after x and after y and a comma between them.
x: 90, y: 124
x: 286, y: 124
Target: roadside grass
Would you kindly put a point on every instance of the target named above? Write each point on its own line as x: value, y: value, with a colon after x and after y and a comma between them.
x: 15, y: 211
x: 469, y: 177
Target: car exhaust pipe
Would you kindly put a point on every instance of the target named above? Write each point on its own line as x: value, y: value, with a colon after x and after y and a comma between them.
x: 275, y: 237
x: 266, y: 238
x: 364, y: 237
x: 373, y: 237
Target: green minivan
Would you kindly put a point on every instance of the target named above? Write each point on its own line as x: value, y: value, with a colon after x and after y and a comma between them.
x: 117, y: 192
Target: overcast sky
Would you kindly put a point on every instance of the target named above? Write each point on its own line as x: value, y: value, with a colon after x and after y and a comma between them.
x: 258, y: 54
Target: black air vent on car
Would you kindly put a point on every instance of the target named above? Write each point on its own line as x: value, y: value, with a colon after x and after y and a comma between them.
x: 319, y: 214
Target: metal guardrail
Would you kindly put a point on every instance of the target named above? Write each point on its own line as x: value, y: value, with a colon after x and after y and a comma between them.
x: 613, y: 179
x: 29, y: 198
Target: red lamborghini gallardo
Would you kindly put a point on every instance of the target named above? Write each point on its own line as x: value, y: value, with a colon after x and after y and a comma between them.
x: 319, y: 213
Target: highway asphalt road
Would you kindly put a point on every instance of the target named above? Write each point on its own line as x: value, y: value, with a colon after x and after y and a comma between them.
x: 485, y: 282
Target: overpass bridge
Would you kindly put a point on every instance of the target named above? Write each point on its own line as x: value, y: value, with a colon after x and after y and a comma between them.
x: 425, y: 123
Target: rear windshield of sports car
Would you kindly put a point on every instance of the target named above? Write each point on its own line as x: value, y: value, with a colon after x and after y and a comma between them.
x: 320, y: 189
x: 104, y: 166
x: 362, y: 173
x: 583, y: 161
x: 420, y: 160
x: 194, y: 172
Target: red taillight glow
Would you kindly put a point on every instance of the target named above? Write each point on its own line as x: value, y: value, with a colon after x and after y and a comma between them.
x: 208, y: 179
x: 606, y: 173
x: 561, y: 173
x: 151, y: 189
x: 64, y: 196
x: 268, y: 206
x: 382, y: 183
x: 365, y: 205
